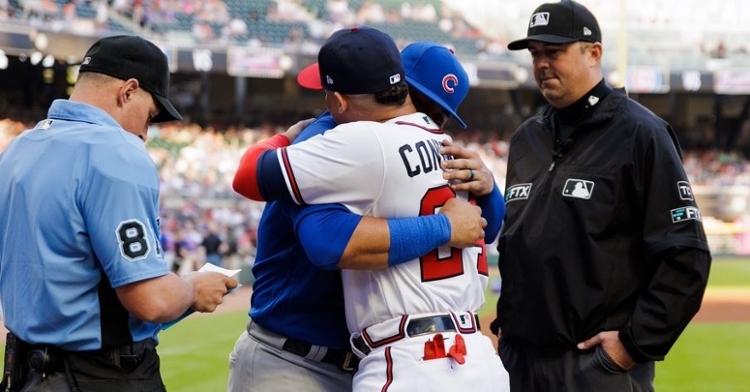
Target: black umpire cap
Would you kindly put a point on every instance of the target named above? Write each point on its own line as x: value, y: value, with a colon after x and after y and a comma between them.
x: 129, y: 56
x: 560, y: 23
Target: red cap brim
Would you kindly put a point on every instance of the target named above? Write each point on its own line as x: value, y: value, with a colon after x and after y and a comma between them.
x: 309, y: 77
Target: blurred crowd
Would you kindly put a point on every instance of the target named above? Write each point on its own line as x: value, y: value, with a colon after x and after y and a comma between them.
x: 225, y: 21
x: 72, y: 16
x: 668, y: 24
x: 717, y: 168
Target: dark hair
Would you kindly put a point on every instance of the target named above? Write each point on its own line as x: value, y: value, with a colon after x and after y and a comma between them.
x: 396, y: 95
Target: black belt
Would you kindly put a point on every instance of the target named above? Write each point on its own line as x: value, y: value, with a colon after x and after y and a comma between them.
x: 47, y: 359
x: 341, y: 358
x: 419, y: 326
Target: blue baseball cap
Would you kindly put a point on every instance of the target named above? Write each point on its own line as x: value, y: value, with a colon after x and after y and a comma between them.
x: 435, y: 71
x: 359, y: 60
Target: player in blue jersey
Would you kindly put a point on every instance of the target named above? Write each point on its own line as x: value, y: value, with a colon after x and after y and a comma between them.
x: 297, y: 338
x: 83, y: 282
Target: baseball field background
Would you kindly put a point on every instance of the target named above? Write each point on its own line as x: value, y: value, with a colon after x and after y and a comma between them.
x: 712, y: 355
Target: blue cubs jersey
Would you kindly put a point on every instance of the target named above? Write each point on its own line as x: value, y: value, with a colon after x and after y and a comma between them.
x: 79, y: 201
x: 292, y: 296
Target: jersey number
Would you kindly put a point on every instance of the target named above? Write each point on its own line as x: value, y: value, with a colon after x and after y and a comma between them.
x: 132, y: 237
x: 445, y: 262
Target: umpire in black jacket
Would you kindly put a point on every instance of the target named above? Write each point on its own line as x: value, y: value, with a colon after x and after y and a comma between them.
x: 603, y: 255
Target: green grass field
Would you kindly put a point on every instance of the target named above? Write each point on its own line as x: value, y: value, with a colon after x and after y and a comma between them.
x: 706, y: 358
x: 729, y: 272
x: 195, y: 352
x: 711, y: 357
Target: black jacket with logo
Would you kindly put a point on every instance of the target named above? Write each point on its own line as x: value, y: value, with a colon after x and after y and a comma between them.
x: 601, y: 232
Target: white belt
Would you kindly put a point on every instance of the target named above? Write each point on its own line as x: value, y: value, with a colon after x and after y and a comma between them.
x: 407, y: 326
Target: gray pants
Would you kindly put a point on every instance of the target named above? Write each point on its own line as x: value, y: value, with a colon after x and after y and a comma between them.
x: 259, y: 364
x: 551, y: 370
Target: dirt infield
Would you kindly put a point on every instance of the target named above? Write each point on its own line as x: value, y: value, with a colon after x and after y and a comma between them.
x: 725, y: 305
x: 719, y: 306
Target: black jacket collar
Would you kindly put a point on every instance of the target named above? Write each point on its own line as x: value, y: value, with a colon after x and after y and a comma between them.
x: 582, y: 109
x: 601, y: 110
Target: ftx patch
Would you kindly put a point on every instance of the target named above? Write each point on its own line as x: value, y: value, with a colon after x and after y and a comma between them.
x: 686, y: 213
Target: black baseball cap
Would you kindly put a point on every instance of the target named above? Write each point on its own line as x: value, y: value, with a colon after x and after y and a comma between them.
x: 359, y: 60
x: 560, y: 23
x: 129, y: 56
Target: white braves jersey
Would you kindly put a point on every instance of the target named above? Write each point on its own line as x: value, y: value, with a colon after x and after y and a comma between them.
x: 389, y: 170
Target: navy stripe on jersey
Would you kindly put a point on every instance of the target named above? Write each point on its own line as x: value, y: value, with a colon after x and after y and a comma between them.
x: 400, y: 335
x: 388, y: 369
x: 436, y: 131
x: 270, y: 177
x: 292, y: 180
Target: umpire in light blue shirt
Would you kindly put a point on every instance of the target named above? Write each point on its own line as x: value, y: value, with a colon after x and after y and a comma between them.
x: 83, y: 282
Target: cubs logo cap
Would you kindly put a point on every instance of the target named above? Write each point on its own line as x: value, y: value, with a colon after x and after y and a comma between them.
x: 560, y: 23
x: 359, y: 60
x: 435, y: 71
x: 129, y: 56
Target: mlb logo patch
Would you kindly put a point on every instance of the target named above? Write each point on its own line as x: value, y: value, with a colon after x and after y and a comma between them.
x: 579, y: 189
x: 46, y: 124
x: 686, y: 213
x: 686, y: 193
x: 517, y: 192
x: 395, y: 78
x: 539, y: 19
x: 465, y: 321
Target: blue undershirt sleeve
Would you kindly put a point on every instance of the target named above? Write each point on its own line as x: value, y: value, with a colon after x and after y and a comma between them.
x: 324, y: 231
x: 414, y: 237
x: 321, y: 124
x: 493, y: 210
